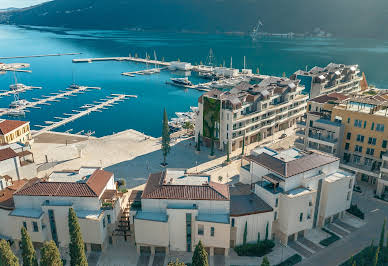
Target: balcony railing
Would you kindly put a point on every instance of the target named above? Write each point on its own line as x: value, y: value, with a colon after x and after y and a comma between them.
x: 323, y: 138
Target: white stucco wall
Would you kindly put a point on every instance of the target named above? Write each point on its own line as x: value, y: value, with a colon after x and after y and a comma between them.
x: 151, y: 233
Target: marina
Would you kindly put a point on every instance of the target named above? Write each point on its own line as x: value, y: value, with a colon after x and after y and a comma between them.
x: 47, y: 99
x: 102, y: 104
x: 31, y: 56
x: 18, y: 88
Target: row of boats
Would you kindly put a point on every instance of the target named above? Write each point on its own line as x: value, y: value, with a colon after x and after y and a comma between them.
x: 223, y: 83
x: 183, y: 118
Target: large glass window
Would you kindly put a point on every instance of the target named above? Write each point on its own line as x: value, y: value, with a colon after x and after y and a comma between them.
x: 35, y: 226
x: 212, y: 231
x: 200, y: 229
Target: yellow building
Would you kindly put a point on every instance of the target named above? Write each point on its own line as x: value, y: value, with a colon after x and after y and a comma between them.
x: 365, y: 137
x: 12, y: 131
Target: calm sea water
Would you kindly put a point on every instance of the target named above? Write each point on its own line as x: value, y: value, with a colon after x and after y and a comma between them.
x: 272, y: 56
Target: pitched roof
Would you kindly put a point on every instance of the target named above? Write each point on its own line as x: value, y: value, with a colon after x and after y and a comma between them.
x: 7, y: 126
x: 97, y: 181
x: 6, y: 195
x: 287, y: 169
x: 92, y: 188
x: 7, y: 153
x: 155, y: 189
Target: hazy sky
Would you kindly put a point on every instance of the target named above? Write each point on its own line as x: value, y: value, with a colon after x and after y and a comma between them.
x: 19, y: 3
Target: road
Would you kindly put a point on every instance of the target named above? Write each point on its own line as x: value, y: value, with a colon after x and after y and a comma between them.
x: 375, y: 211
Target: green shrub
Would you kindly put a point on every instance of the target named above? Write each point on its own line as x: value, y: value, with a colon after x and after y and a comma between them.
x: 356, y: 211
x: 330, y: 240
x: 255, y: 250
x: 294, y: 259
x: 123, y: 190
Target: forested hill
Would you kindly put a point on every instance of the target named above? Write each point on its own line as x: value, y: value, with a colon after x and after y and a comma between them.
x: 356, y: 18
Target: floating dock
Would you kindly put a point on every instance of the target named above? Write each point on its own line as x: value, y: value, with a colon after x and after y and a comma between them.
x: 143, y: 72
x: 47, y: 99
x: 23, y: 89
x: 133, y: 59
x: 92, y: 108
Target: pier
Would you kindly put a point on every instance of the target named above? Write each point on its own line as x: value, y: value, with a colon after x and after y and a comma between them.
x: 47, y: 99
x: 40, y: 55
x: 133, y: 59
x: 22, y: 89
x: 143, y: 72
x: 77, y: 114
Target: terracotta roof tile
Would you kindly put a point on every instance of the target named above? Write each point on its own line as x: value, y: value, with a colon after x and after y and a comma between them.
x: 97, y: 181
x: 6, y: 195
x: 7, y: 126
x: 7, y: 153
x: 155, y: 189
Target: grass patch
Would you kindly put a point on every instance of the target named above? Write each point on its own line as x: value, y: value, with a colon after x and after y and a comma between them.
x: 330, y: 240
x: 294, y: 259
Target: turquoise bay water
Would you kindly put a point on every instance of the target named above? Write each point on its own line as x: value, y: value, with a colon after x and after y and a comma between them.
x: 272, y: 56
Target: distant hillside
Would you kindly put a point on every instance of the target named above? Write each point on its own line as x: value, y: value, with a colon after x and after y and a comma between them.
x: 8, y: 9
x: 356, y: 18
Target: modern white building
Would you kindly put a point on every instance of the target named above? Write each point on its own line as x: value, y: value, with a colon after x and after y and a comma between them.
x: 42, y: 207
x: 12, y: 131
x: 182, y: 66
x: 305, y: 189
x: 255, y: 112
x: 332, y: 78
x: 226, y: 72
x: 16, y: 162
x: 178, y: 209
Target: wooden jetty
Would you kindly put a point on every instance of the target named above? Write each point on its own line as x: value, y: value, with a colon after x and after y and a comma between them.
x: 47, y: 99
x: 76, y: 115
x: 23, y: 89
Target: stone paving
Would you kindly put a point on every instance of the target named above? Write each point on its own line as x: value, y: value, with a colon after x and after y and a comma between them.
x: 304, y: 252
x: 338, y: 231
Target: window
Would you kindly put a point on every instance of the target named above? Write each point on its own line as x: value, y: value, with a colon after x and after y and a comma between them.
x: 109, y: 219
x: 347, y: 146
x: 384, y: 144
x: 365, y: 124
x: 348, y: 196
x: 200, y: 229
x: 360, y: 138
x: 275, y: 216
x: 356, y: 159
x: 232, y: 222
x: 372, y: 126
x: 372, y: 141
x: 370, y: 151
x: 357, y: 123
x: 350, y: 183
x: 358, y: 148
x: 348, y: 120
x: 368, y: 162
x: 276, y: 202
x: 380, y: 127
x: 348, y: 135
x: 212, y: 231
x: 103, y: 222
x: 35, y: 226
x: 25, y: 225
x: 301, y: 217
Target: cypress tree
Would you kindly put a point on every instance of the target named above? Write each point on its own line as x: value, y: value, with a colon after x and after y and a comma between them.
x: 76, y: 245
x: 28, y: 251
x: 212, y: 148
x: 376, y: 257
x: 266, y: 232
x: 382, y: 235
x: 227, y: 152
x: 49, y: 255
x: 265, y: 262
x: 243, y: 146
x: 165, y: 137
x: 258, y: 238
x: 7, y: 258
x: 200, y: 256
x: 245, y: 233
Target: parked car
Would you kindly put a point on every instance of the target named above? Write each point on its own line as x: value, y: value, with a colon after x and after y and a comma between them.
x: 283, y: 136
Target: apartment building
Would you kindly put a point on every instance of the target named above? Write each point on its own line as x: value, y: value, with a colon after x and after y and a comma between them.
x: 317, y: 131
x: 16, y: 162
x: 42, y: 207
x: 305, y: 189
x: 12, y: 131
x: 254, y: 111
x: 178, y: 209
x: 332, y: 78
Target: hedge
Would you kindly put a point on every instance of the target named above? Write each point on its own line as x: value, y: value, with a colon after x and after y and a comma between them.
x: 294, y: 259
x: 330, y: 240
x: 255, y: 250
x: 356, y: 211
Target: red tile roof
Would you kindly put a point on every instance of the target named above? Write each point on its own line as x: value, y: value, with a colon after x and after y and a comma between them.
x: 6, y: 195
x: 98, y: 180
x: 92, y: 188
x: 7, y: 153
x: 7, y: 126
x: 155, y: 189
x: 335, y: 96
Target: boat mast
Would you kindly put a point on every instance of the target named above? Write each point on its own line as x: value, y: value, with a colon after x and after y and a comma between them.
x: 231, y: 62
x: 244, y: 61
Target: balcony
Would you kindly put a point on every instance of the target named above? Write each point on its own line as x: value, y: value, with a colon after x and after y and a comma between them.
x: 301, y: 124
x: 300, y: 133
x: 329, y: 140
x: 361, y: 168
